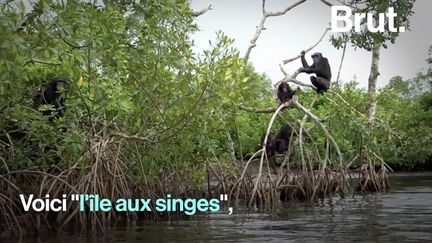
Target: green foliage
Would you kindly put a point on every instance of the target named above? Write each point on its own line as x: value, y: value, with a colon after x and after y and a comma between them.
x: 131, y: 70
x: 406, y: 106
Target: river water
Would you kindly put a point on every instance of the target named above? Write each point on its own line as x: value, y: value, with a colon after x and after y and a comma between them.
x: 402, y: 215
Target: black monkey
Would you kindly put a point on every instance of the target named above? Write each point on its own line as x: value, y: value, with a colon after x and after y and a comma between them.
x: 322, y: 70
x: 278, y: 143
x: 270, y: 148
x: 282, y: 138
x: 53, y: 94
x: 284, y: 92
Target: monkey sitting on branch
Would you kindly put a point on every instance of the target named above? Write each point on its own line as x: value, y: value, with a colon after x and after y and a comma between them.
x: 320, y: 68
x: 285, y: 93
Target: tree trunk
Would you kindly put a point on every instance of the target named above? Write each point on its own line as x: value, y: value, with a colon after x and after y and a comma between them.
x: 372, y: 83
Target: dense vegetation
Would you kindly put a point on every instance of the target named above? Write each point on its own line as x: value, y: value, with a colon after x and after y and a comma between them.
x: 147, y: 114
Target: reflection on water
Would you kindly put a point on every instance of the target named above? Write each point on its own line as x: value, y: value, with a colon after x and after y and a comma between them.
x: 403, y: 215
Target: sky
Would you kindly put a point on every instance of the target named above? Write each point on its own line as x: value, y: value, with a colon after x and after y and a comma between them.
x: 287, y: 35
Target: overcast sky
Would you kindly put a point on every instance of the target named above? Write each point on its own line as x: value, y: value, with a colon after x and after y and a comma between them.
x: 300, y: 28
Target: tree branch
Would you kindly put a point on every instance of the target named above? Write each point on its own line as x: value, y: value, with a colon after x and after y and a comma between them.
x: 308, y: 49
x: 319, y: 122
x: 287, y: 104
x: 264, y: 153
x: 202, y: 11
x: 327, y: 3
x: 261, y: 27
x: 75, y: 46
x: 342, y: 60
x: 33, y: 61
x: 267, y: 110
x: 134, y: 137
x: 291, y: 78
x: 278, y: 13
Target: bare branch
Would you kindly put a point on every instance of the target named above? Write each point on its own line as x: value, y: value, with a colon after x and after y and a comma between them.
x: 327, y: 3
x: 261, y: 27
x: 202, y: 11
x: 278, y: 13
x: 267, y: 110
x: 134, y: 137
x: 255, y: 38
x: 308, y: 49
x: 307, y: 112
x: 319, y: 122
x: 243, y: 174
x: 301, y: 83
x: 33, y: 61
x: 291, y: 78
x: 382, y: 161
x: 264, y: 154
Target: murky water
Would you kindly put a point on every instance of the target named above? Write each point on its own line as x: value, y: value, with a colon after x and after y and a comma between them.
x: 402, y: 215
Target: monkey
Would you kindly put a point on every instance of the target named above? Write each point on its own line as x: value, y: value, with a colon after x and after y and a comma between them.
x: 321, y: 68
x: 270, y: 148
x: 278, y: 143
x: 54, y: 94
x: 282, y: 138
x: 284, y: 92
